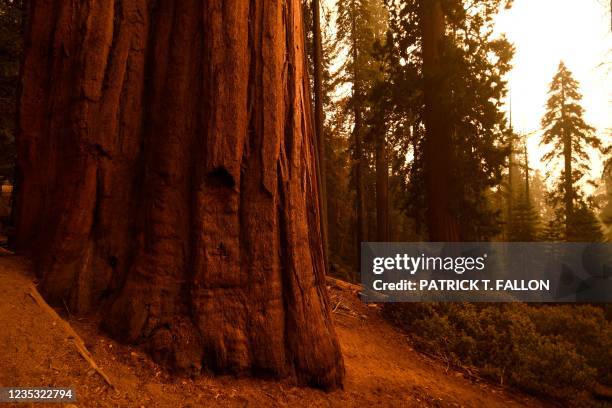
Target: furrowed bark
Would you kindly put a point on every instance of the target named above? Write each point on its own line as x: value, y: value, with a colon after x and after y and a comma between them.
x: 168, y: 174
x: 442, y: 223
x: 319, y: 119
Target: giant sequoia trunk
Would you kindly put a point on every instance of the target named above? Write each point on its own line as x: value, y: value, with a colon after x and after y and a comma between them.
x: 167, y: 173
x: 441, y: 222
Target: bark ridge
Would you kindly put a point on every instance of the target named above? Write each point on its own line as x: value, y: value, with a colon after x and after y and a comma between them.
x: 167, y: 172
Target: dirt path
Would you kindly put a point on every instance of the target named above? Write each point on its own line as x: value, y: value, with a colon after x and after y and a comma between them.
x: 382, y: 369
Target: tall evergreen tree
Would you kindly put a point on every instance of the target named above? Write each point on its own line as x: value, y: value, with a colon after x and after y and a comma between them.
x: 551, y: 232
x: 585, y: 226
x: 606, y: 211
x: 539, y: 197
x: 569, y: 137
x: 456, y: 138
x: 510, y: 183
x: 439, y: 164
x: 524, y: 218
x: 311, y: 16
x: 336, y: 121
x: 359, y: 24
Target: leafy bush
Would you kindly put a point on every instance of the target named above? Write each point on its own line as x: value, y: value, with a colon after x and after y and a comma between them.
x: 555, y: 351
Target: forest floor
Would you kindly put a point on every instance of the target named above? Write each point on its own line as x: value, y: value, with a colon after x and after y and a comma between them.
x: 382, y: 368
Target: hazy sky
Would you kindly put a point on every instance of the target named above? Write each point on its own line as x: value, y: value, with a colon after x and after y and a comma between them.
x: 545, y: 32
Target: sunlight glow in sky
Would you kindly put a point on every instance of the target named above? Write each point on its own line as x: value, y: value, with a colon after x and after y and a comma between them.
x: 545, y: 32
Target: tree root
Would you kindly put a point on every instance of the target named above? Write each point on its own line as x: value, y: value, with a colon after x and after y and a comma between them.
x: 77, y: 341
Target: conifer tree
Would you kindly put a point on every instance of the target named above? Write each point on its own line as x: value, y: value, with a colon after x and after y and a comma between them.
x: 538, y: 193
x: 315, y: 58
x: 319, y: 119
x: 340, y: 196
x: 569, y: 137
x: 606, y: 212
x: 585, y: 226
x: 552, y: 232
x: 524, y: 218
x: 456, y: 135
x: 359, y: 24
x: 511, y: 181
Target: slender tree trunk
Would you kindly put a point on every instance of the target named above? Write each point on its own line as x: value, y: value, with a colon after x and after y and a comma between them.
x: 382, y: 188
x: 568, y: 184
x: 359, y: 159
x: 526, y: 158
x: 362, y: 226
x: 442, y: 223
x: 568, y: 196
x: 511, y: 182
x: 168, y: 178
x: 318, y: 119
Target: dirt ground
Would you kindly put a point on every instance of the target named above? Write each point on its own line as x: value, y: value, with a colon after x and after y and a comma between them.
x: 382, y: 368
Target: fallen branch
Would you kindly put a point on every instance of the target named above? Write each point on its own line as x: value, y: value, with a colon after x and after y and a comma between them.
x: 77, y: 341
x: 340, y: 284
x: 346, y: 314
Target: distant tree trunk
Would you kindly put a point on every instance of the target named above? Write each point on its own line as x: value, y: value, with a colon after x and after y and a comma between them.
x: 511, y: 180
x: 441, y: 222
x: 362, y: 218
x: 568, y: 194
x: 318, y: 119
x: 168, y: 178
x: 382, y: 188
x: 359, y: 157
x: 526, y: 159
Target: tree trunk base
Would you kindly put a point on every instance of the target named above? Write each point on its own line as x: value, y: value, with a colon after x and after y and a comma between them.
x: 167, y: 174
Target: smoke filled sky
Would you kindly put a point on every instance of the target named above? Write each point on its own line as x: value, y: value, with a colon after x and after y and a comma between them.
x: 545, y: 32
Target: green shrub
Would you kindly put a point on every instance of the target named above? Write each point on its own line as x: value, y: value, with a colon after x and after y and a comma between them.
x: 554, y: 351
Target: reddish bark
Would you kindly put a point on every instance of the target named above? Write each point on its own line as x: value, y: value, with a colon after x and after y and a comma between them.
x: 319, y: 119
x: 167, y: 172
x: 441, y: 222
